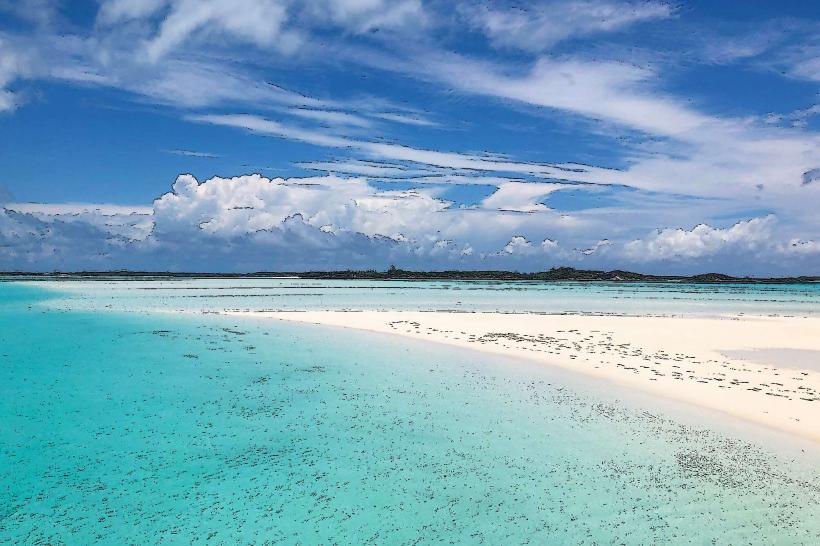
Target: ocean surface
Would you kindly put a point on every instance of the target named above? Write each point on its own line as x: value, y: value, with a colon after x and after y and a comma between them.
x: 126, y: 423
x: 568, y: 297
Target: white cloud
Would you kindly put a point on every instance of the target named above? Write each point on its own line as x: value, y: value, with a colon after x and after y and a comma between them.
x: 331, y: 117
x: 42, y: 13
x: 251, y: 209
x: 697, y: 154
x: 703, y: 240
x: 117, y: 11
x: 803, y: 247
x: 406, y: 119
x: 718, y: 159
x: 228, y: 207
x: 398, y: 152
x: 517, y: 245
x: 362, y: 16
x: 127, y: 222
x: 372, y: 169
x: 10, y: 69
x: 521, y: 247
x: 192, y: 153
x: 612, y: 91
x: 255, y: 223
x: 537, y: 27
x: 282, y: 25
x: 520, y: 196
x: 188, y: 81
x: 597, y: 247
x: 259, y: 22
x: 47, y: 210
x: 200, y: 84
x: 808, y: 67
x: 548, y: 245
x: 264, y: 126
x: 811, y: 176
x: 736, y: 165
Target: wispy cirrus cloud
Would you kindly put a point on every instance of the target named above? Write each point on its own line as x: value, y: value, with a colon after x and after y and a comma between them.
x: 381, y: 150
x: 331, y: 117
x: 684, y: 150
x: 280, y: 25
x: 689, y: 160
x: 406, y: 119
x: 192, y: 153
x: 536, y: 27
x: 520, y: 197
x: 11, y: 67
x: 260, y: 22
x: 611, y: 91
x: 371, y: 169
x: 362, y: 17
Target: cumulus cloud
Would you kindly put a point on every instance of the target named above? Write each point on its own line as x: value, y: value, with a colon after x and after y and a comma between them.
x: 703, y: 240
x: 195, y: 64
x: 803, y: 247
x: 29, y: 243
x: 116, y: 220
x: 253, y: 223
x: 517, y: 245
x: 811, y: 176
x: 228, y: 207
x: 597, y: 247
x: 522, y: 253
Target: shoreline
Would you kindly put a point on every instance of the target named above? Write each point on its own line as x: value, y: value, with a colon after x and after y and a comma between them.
x: 678, y: 358
x: 556, y: 274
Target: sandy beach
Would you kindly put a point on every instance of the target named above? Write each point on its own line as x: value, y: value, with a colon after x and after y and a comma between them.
x: 760, y: 369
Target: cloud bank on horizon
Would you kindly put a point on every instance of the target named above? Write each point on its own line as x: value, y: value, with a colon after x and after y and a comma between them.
x: 249, y: 135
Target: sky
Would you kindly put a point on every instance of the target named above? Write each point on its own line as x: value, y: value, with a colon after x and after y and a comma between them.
x: 278, y: 135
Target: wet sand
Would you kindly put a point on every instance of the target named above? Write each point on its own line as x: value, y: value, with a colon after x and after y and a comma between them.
x: 796, y: 359
x: 693, y: 360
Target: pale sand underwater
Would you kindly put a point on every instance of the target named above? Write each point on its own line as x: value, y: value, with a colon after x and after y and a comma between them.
x: 140, y: 412
x: 684, y: 359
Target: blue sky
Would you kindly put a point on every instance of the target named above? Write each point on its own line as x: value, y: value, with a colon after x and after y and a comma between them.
x: 281, y: 135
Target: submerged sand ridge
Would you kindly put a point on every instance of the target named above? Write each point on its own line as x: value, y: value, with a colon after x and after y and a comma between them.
x: 680, y: 358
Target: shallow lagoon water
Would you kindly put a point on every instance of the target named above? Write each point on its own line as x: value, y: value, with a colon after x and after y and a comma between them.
x: 135, y: 428
x: 567, y: 297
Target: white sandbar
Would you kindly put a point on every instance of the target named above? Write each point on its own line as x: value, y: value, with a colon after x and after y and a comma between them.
x: 674, y: 357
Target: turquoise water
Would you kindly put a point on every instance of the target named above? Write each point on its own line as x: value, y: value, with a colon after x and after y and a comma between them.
x: 141, y: 427
x: 297, y: 294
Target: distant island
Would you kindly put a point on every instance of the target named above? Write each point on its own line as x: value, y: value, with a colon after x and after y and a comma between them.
x: 556, y: 274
